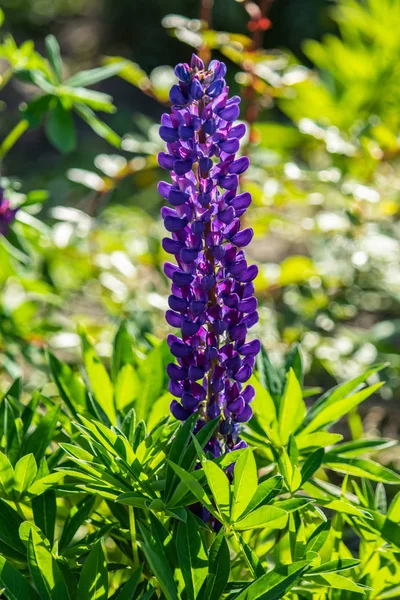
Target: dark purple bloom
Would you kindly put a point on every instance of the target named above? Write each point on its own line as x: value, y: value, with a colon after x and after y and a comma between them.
x: 7, y: 214
x: 212, y: 300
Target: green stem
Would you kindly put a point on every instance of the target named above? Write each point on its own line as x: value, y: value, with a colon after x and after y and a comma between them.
x: 132, y: 528
x: 19, y: 510
x: 13, y: 137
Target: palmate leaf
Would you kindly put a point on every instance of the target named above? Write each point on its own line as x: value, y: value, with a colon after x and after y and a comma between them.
x: 192, y: 556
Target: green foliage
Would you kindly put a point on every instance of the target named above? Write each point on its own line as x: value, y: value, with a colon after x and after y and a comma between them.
x: 131, y: 492
x: 100, y: 489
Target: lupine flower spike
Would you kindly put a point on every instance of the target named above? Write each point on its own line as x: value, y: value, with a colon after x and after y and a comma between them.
x: 7, y: 214
x: 212, y: 300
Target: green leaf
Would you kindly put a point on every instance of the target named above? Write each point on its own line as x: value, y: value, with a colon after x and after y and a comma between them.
x: 292, y: 408
x: 276, y: 583
x: 127, y: 387
x: 318, y: 537
x: 312, y: 464
x: 158, y: 562
x: 151, y: 374
x: 122, y: 351
x: 93, y: 582
x: 92, y: 76
x: 177, y: 452
x: 218, y: 568
x: 194, y: 487
x: 35, y: 110
x: 338, y: 394
x: 10, y: 523
x: 253, y: 562
x: 381, y: 498
x: 340, y: 564
x: 338, y: 582
x: 99, y: 379
x: 192, y: 556
x: 265, y: 492
x: 293, y: 361
x: 25, y: 473
x: 98, y: 126
x: 333, y: 412
x: 357, y: 447
x: 361, y: 467
x: 70, y: 387
x: 245, y: 482
x: 44, y: 570
x: 37, y: 442
x: 317, y: 440
x: 264, y: 516
x: 44, y: 509
x: 60, y: 129
x: 393, y: 512
x: 269, y: 376
x: 14, y: 583
x: 39, y: 79
x: 219, y: 486
x: 12, y: 433
x: 6, y: 474
x: 75, y: 519
x: 129, y: 588
x: 81, y: 96
x: 53, y: 52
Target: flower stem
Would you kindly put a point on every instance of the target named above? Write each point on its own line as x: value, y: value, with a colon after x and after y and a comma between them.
x: 13, y: 137
x: 132, y: 528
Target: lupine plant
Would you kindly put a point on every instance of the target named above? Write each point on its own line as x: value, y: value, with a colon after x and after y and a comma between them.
x: 212, y: 299
x: 105, y: 494
x: 191, y: 467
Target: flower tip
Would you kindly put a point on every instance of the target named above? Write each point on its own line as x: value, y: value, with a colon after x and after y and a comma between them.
x: 196, y: 62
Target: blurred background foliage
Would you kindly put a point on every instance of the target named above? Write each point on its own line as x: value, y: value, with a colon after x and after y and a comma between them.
x: 320, y: 91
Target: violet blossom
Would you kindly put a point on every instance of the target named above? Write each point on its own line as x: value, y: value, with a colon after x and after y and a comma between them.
x: 212, y: 300
x: 7, y: 214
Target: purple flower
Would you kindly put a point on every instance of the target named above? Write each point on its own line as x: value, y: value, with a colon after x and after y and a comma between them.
x: 212, y: 300
x: 7, y: 214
